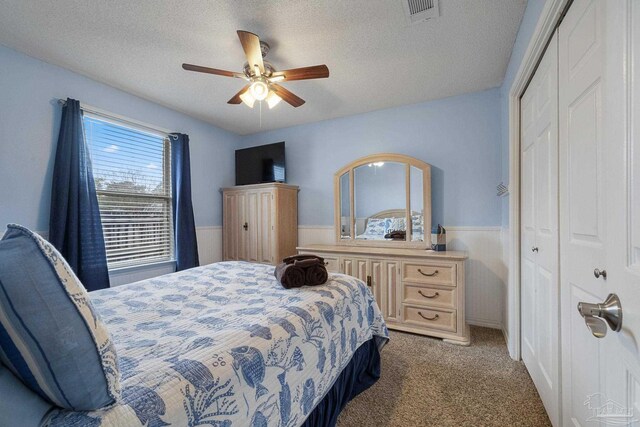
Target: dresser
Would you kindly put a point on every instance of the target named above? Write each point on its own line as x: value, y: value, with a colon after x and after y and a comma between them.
x: 418, y: 291
x: 260, y: 222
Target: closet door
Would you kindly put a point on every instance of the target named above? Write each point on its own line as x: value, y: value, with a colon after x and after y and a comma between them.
x: 539, y: 264
x: 600, y: 204
x: 582, y: 193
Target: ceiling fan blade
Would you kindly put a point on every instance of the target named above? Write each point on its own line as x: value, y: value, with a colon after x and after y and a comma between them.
x: 236, y: 98
x: 288, y: 96
x: 251, y: 45
x: 304, y: 73
x: 199, y: 69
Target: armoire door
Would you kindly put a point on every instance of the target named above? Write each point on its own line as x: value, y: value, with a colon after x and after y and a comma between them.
x: 242, y: 226
x: 251, y: 226
x: 540, y: 293
x: 232, y: 227
x: 266, y: 227
x: 598, y: 106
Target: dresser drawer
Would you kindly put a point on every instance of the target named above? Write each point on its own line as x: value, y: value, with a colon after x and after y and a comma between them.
x: 430, y: 318
x: 429, y: 273
x: 415, y: 294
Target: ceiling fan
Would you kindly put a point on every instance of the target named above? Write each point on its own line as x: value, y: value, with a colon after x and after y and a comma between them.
x: 262, y: 75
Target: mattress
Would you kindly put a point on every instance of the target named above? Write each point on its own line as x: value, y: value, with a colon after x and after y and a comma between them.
x: 225, y: 344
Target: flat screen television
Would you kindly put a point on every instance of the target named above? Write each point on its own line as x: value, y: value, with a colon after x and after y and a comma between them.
x: 264, y: 163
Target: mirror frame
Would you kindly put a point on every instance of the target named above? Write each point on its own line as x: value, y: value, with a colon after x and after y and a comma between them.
x: 426, y: 198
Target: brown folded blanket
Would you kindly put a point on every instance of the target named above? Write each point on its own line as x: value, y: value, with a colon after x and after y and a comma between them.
x: 290, y: 276
x: 316, y: 275
x: 312, y: 267
x: 294, y: 258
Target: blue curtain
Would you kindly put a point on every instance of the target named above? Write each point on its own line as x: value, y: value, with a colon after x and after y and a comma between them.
x: 75, y: 228
x: 186, y: 245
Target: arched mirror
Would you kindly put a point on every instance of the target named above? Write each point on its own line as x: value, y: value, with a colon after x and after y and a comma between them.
x: 382, y: 200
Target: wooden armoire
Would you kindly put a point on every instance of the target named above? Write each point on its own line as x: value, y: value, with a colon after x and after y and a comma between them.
x: 260, y: 222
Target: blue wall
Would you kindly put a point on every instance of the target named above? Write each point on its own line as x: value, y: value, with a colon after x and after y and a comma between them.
x: 29, y: 122
x: 527, y: 26
x: 458, y: 136
x: 464, y: 138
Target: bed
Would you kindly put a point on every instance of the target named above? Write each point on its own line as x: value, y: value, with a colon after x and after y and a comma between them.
x: 226, y: 345
x: 376, y: 226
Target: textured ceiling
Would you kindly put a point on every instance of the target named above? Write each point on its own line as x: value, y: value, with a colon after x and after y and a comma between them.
x: 377, y: 60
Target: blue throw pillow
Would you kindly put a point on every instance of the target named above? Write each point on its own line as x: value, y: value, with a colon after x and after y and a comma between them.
x: 50, y: 336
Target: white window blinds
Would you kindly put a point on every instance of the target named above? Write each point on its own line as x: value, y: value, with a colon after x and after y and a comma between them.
x: 131, y: 168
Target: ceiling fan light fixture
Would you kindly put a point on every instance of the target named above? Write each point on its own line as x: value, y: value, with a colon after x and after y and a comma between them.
x: 273, y: 99
x: 261, y: 76
x: 259, y: 90
x: 248, y: 99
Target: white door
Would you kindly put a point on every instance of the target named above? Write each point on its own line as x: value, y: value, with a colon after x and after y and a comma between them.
x: 622, y: 368
x: 599, y: 208
x: 539, y: 199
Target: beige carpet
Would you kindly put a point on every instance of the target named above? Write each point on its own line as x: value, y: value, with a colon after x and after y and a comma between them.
x: 426, y: 382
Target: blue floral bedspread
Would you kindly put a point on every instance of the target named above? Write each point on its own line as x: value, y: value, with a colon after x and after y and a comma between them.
x: 226, y: 345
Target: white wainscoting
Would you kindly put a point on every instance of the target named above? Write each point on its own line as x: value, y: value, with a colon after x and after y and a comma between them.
x: 209, y: 250
x: 510, y: 308
x: 486, y: 273
x: 318, y: 234
x: 209, y: 244
x: 485, y: 269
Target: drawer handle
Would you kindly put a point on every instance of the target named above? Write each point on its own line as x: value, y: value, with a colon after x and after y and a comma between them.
x: 428, y: 274
x: 436, y: 295
x: 435, y: 316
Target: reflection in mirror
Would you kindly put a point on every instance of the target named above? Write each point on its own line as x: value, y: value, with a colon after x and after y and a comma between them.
x: 345, y: 207
x: 417, y: 204
x: 380, y: 201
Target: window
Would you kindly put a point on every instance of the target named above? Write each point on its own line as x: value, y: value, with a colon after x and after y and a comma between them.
x: 132, y: 172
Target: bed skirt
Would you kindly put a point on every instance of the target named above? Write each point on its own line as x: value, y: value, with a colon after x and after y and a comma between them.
x: 362, y: 371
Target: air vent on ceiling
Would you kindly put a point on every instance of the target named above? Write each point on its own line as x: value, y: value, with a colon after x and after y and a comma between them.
x: 420, y: 10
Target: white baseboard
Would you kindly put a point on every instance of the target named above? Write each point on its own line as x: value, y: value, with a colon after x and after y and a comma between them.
x: 484, y: 323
